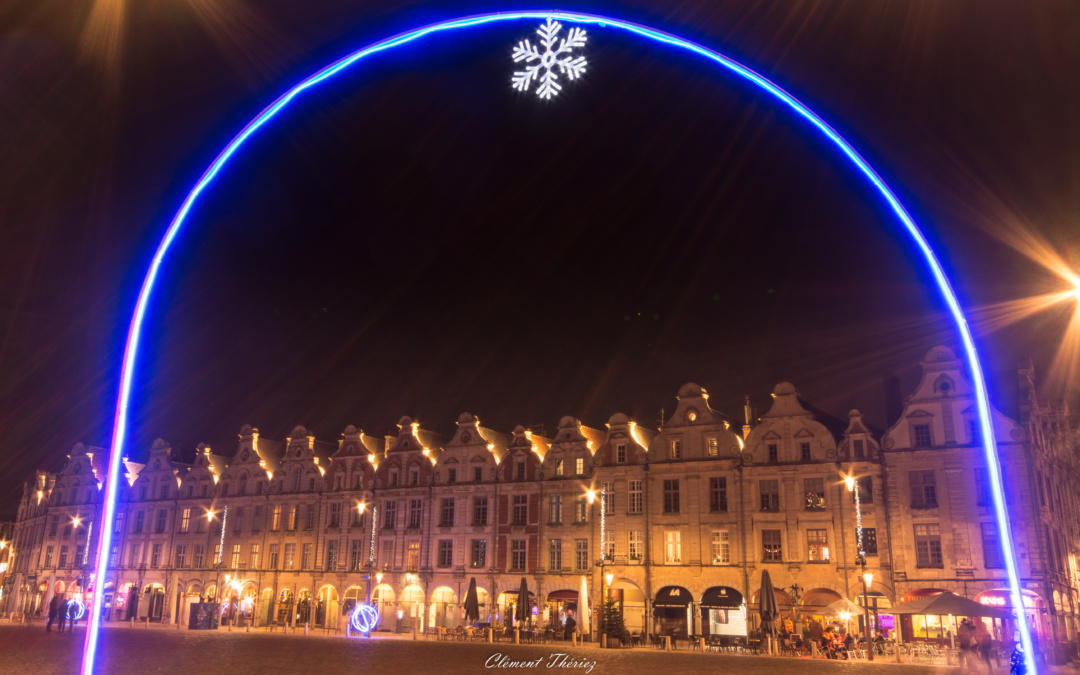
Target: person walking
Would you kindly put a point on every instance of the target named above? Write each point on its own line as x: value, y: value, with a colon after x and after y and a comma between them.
x: 62, y: 611
x: 54, y: 606
x: 984, y: 643
x: 571, y: 625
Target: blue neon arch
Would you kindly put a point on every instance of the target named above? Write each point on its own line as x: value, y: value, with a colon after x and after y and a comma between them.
x: 943, y: 285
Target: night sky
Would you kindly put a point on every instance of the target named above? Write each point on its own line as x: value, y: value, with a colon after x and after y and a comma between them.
x: 416, y: 238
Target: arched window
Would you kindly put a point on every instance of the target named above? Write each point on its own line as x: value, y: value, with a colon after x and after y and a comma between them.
x: 297, y: 476
x: 89, y: 495
x: 74, y: 493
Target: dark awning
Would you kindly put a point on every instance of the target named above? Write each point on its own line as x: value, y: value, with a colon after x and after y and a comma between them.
x: 721, y: 597
x: 563, y: 596
x: 673, y: 596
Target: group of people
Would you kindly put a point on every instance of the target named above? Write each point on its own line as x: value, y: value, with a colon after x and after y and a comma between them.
x: 60, y: 610
x: 837, y: 643
x: 976, y: 644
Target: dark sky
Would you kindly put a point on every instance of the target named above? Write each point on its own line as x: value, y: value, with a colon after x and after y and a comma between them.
x: 418, y: 239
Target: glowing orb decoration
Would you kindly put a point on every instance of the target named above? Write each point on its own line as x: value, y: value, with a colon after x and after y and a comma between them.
x: 364, y: 618
x: 556, y: 54
x: 76, y: 610
x: 572, y: 70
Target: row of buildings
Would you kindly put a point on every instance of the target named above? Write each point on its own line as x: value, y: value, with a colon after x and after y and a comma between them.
x: 676, y: 524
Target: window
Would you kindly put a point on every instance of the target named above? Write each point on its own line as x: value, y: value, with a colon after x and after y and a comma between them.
x: 928, y: 545
x: 858, y: 448
x: 311, y: 485
x: 517, y: 555
x: 865, y: 486
x: 290, y: 557
x: 520, y: 513
x: 305, y: 557
x: 636, y: 547
x: 356, y: 555
x: 671, y: 496
x: 164, y: 492
x: 581, y: 554
x: 205, y: 489
x: 672, y: 547
x: 225, y: 489
x: 386, y: 557
x: 480, y: 510
x: 273, y: 561
x: 804, y: 451
x: 815, y: 494
x: 555, y: 555
x: 275, y: 519
x: 992, y: 553
x: 581, y: 510
x: 412, y: 555
x: 446, y: 512
x: 869, y: 540
x: 817, y: 545
x: 721, y: 547
x: 416, y: 510
x: 554, y: 509
x: 56, y: 524
x: 181, y: 555
x: 139, y: 515
x: 142, y: 493
x: 1039, y: 483
x: 335, y: 514
x: 770, y: 495
x: 676, y: 450
x: 133, y: 555
x: 331, y: 554
x: 773, y: 455
x: 253, y: 557
x: 520, y: 468
x: 973, y: 432
x: 48, y: 556
x: 389, y: 515
x: 923, y: 489
x: 478, y: 473
x: 771, y: 548
x: 235, y: 562
x: 479, y: 552
x: 446, y: 552
x: 358, y: 518
x: 633, y: 501
x: 579, y: 466
x: 558, y: 467
x: 717, y: 494
x: 294, y: 517
x: 451, y: 475
x: 713, y: 448
x: 982, y: 487
x: 200, y: 523
x: 296, y: 480
x: 185, y: 521
x: 921, y: 435
x: 620, y: 453
x: 393, y: 478
x: 607, y: 493
x: 309, y: 520
x: 238, y: 520
x: 200, y: 553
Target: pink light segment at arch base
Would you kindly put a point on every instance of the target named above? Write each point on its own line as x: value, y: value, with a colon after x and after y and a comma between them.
x: 943, y: 285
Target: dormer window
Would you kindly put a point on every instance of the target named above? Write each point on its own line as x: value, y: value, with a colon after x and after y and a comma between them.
x: 579, y: 466
x: 804, y: 451
x: 393, y: 479
x: 478, y: 473
x: 676, y: 450
x: 713, y: 449
x: 620, y: 453
x: 296, y: 480
x: 451, y: 476
x: 521, y: 470
x: 858, y: 448
x: 558, y: 467
x: 773, y: 453
x: 921, y: 437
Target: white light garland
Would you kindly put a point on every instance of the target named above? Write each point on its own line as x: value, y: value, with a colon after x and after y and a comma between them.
x: 858, y: 522
x: 86, y: 551
x: 603, y: 521
x: 221, y: 543
x: 371, y: 549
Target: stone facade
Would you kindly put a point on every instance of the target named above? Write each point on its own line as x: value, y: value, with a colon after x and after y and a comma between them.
x: 684, y: 519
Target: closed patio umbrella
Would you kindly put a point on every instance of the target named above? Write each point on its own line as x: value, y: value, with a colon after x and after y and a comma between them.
x: 472, y: 603
x: 584, y: 625
x: 522, y: 611
x: 768, y: 608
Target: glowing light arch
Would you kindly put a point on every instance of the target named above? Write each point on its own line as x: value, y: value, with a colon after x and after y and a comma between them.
x: 135, y: 329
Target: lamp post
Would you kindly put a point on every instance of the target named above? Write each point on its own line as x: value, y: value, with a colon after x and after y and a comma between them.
x: 591, y: 496
x: 860, y: 559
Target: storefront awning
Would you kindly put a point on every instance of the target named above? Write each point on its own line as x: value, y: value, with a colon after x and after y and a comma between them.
x: 562, y: 596
x: 673, y: 596
x: 721, y: 597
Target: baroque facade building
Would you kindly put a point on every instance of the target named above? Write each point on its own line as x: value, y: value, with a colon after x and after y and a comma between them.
x: 683, y: 520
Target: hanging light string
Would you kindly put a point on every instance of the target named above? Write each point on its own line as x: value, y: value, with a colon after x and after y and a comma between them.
x: 603, y: 520
x: 858, y: 522
x: 371, y: 548
x: 221, y: 543
x: 86, y: 551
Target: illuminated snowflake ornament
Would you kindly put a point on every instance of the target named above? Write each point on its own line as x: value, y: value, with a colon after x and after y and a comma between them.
x: 556, y: 54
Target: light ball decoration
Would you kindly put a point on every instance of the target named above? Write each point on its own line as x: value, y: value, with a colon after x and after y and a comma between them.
x: 364, y: 618
x: 76, y: 609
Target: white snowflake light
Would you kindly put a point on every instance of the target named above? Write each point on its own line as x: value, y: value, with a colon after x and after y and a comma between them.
x: 549, y: 59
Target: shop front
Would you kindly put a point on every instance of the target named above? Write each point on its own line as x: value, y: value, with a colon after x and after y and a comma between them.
x: 723, y: 612
x: 1034, y: 608
x: 673, y: 612
x: 560, y: 604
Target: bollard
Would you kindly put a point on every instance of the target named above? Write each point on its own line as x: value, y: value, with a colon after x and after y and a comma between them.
x: 517, y: 636
x: 147, y: 621
x: 603, y: 640
x: 131, y: 622
x: 414, y: 630
x: 491, y: 635
x: 306, y: 628
x: 573, y: 638
x: 230, y: 627
x: 348, y: 630
x: 701, y: 644
x: 813, y: 649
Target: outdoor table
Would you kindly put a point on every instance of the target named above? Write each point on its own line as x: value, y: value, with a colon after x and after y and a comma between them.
x: 667, y: 642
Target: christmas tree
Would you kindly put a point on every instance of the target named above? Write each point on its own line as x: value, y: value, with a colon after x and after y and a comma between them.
x: 614, y: 626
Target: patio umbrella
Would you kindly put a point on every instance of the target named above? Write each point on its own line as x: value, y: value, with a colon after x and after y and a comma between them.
x: 840, y: 606
x: 584, y: 626
x: 522, y: 612
x: 472, y: 603
x: 950, y: 604
x: 767, y: 606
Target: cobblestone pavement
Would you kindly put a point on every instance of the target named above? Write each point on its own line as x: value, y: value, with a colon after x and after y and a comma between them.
x: 183, y: 652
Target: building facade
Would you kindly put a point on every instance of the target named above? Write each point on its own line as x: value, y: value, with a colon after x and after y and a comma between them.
x: 677, y: 524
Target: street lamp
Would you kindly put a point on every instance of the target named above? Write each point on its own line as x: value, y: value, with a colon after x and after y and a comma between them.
x: 860, y: 559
